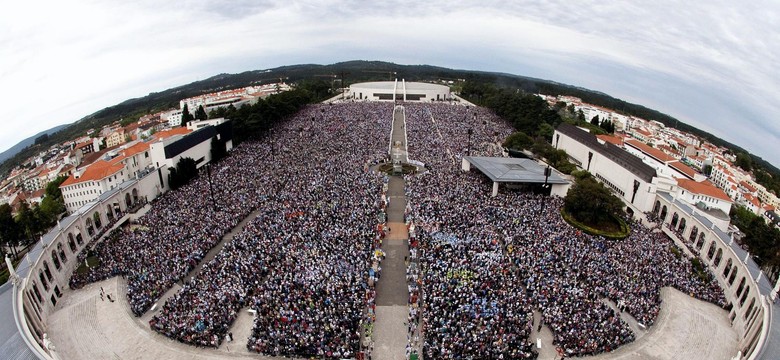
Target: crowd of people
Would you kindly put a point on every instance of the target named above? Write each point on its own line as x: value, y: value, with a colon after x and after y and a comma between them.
x: 490, y: 261
x: 306, y: 262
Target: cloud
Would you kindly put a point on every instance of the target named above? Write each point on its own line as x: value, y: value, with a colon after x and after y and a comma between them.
x: 710, y: 64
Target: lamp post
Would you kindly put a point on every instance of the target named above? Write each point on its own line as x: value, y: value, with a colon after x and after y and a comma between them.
x: 211, y: 187
x: 468, y: 149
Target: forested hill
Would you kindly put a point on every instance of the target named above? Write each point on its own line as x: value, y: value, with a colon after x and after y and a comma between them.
x: 332, y: 76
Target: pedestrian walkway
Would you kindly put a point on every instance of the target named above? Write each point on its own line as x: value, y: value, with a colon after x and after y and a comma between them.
x: 392, y: 298
x: 196, y: 270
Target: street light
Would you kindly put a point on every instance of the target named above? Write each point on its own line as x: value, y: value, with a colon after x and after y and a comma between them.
x: 468, y: 150
x: 211, y: 187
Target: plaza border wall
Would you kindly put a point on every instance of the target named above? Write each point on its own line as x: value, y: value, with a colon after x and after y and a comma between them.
x: 745, y: 286
x: 45, y: 271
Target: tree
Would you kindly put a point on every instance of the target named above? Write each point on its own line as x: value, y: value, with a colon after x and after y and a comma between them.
x: 9, y: 231
x: 26, y: 220
x: 518, y: 141
x: 41, y: 139
x: 590, y: 202
x: 580, y: 116
x: 595, y: 120
x: 546, y: 131
x: 218, y: 150
x: 52, y: 204
x: 200, y: 114
x: 744, y: 161
x: 185, y: 170
x: 707, y: 170
x: 185, y: 115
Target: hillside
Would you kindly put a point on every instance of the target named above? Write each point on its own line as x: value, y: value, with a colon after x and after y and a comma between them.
x: 13, y: 150
x: 351, y: 72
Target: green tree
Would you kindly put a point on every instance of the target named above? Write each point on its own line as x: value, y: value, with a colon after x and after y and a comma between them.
x: 26, y: 221
x: 744, y: 161
x: 185, y: 170
x: 200, y: 114
x: 186, y: 116
x: 546, y: 131
x: 218, y: 150
x: 580, y: 116
x: 590, y: 202
x: 518, y: 141
x: 595, y: 120
x: 52, y: 205
x: 9, y: 230
x: 707, y: 170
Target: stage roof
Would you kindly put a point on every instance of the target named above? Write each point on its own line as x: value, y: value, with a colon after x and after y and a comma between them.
x: 514, y: 170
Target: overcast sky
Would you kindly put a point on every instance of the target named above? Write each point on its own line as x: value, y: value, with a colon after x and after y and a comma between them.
x: 708, y: 63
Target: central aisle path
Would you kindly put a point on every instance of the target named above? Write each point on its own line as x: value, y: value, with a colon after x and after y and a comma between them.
x: 392, y: 293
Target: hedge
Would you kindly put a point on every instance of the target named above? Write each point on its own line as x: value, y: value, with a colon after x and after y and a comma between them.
x: 625, y: 229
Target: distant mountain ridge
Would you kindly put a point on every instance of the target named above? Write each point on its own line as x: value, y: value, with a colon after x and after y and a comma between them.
x: 347, y: 73
x: 13, y: 150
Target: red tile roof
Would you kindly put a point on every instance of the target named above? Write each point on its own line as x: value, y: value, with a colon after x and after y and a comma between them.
x: 685, y: 169
x: 703, y: 188
x: 97, y: 171
x: 611, y: 139
x: 126, y: 153
x: 651, y: 151
x: 172, y: 132
x: 747, y: 186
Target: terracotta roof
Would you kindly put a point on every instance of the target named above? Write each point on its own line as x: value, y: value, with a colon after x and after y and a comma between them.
x: 747, y: 186
x: 651, y: 151
x: 131, y: 127
x: 38, y: 193
x: 172, y: 132
x: 643, y: 132
x: 97, y: 171
x: 769, y: 207
x: 703, y: 188
x: 611, y: 139
x: 126, y: 153
x: 685, y: 169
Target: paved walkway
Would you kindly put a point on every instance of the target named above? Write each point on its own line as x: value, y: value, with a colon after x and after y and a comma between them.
x: 195, y: 271
x: 392, y: 297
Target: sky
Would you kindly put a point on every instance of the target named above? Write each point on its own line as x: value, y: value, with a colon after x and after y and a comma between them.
x: 708, y: 63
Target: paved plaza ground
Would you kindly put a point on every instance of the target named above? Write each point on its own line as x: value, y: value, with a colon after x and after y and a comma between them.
x: 84, y: 327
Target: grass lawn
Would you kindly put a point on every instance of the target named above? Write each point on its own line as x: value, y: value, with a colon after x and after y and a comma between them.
x: 92, y: 261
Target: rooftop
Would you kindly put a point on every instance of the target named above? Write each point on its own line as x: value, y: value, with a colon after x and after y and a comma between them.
x: 703, y: 188
x: 390, y: 85
x: 97, y: 171
x: 514, y: 170
x: 650, y: 151
x: 623, y: 158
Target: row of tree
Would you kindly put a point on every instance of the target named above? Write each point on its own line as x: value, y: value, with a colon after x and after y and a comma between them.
x: 760, y: 238
x: 31, y: 221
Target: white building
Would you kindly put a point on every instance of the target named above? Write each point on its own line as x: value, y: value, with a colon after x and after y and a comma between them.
x: 399, y: 91
x: 196, y: 144
x: 173, y: 117
x: 630, y: 178
x: 139, y: 159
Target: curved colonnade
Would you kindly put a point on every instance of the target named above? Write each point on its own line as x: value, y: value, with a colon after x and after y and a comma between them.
x: 745, y: 286
x: 44, y: 273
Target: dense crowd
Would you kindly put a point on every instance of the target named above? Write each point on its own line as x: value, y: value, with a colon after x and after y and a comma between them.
x: 491, y: 261
x: 306, y: 262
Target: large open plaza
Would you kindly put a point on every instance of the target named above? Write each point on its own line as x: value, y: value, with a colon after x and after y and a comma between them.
x: 296, y: 245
